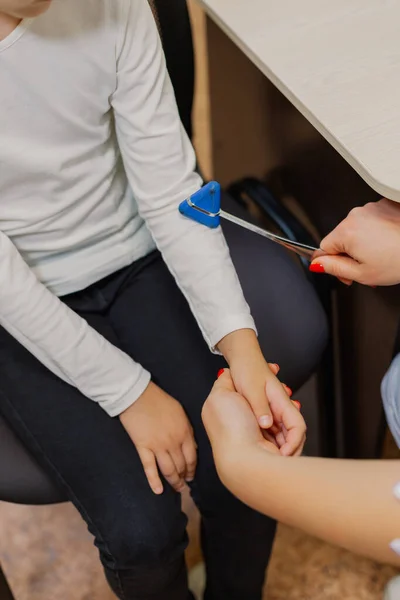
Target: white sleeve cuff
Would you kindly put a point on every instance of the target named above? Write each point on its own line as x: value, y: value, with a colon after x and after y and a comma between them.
x: 115, y: 408
x: 227, y: 326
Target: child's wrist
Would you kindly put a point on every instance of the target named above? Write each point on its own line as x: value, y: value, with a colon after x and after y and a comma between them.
x: 239, y: 344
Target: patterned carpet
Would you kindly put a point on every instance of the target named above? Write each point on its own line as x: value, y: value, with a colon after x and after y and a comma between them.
x: 48, y: 554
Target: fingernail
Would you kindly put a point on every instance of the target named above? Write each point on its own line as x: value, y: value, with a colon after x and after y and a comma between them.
x: 288, y: 390
x: 396, y: 491
x: 158, y: 490
x: 220, y: 372
x: 265, y: 421
x: 395, y: 546
x: 277, y: 366
x: 189, y: 479
x: 316, y: 268
x: 297, y: 403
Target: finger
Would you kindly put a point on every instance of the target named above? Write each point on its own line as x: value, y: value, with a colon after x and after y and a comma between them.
x: 190, y: 454
x: 297, y: 405
x: 343, y: 267
x: 300, y: 449
x: 274, y: 368
x: 345, y: 281
x: 294, y: 441
x: 280, y: 438
x: 150, y: 468
x: 179, y: 462
x: 333, y: 244
x: 336, y: 241
x: 270, y: 437
x: 286, y: 414
x: 297, y: 451
x: 168, y: 469
x: 279, y: 433
x: 258, y: 400
x: 318, y: 253
x: 280, y: 396
x: 287, y: 390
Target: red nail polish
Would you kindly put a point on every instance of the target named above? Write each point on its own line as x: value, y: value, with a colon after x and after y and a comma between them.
x: 220, y: 372
x: 297, y: 403
x: 289, y: 391
x: 316, y: 268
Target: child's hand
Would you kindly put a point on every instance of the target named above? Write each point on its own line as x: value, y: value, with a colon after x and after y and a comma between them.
x: 162, y: 434
x: 287, y: 427
x: 257, y: 383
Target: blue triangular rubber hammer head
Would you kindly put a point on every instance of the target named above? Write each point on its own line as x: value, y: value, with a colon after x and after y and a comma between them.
x: 204, y: 206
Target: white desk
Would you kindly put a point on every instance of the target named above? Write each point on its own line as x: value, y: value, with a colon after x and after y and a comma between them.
x: 338, y: 62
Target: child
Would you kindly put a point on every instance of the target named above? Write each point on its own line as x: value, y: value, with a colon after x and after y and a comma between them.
x: 103, y: 369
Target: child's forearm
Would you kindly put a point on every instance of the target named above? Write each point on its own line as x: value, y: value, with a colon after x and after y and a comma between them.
x: 239, y: 345
x: 349, y: 503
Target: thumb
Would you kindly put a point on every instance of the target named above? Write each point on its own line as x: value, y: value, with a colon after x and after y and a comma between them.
x: 257, y: 399
x: 342, y: 267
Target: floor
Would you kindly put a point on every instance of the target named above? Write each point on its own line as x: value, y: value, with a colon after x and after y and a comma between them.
x: 48, y: 554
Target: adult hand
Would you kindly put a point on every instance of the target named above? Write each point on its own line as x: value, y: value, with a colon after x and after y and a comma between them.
x: 229, y: 420
x: 364, y: 247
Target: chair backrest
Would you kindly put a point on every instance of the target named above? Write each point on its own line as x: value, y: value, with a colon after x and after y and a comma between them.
x: 172, y: 17
x: 22, y: 480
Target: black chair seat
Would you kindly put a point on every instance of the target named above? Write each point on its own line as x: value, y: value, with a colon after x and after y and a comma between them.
x: 22, y: 480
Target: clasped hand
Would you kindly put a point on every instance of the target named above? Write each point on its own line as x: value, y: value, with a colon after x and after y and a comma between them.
x: 232, y: 427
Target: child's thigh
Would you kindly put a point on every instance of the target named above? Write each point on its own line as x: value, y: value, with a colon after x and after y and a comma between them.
x: 155, y: 326
x: 90, y: 456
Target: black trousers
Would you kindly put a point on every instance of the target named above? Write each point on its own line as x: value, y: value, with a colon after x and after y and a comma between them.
x: 141, y: 537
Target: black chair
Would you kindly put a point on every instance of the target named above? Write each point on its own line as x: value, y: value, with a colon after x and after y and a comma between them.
x: 21, y: 479
x: 253, y: 191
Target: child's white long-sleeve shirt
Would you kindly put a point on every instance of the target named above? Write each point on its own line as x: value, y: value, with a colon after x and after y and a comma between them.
x: 93, y: 165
